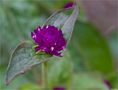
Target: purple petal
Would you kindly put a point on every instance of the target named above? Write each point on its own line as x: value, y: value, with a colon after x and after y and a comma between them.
x: 49, y: 39
x: 33, y: 35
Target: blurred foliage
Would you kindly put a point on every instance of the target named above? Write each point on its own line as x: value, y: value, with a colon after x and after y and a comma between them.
x: 91, y: 45
x: 89, y: 53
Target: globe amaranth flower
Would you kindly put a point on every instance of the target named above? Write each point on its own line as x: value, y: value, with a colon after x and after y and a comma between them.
x: 69, y: 5
x: 59, y: 88
x: 108, y: 84
x: 49, y: 39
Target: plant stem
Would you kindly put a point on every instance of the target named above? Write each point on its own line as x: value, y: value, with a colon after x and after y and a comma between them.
x: 44, y: 75
x: 71, y: 77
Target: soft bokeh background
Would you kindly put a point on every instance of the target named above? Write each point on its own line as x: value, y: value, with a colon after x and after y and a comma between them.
x: 91, y: 58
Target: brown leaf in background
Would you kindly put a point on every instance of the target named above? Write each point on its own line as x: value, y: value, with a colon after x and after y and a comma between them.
x: 103, y: 13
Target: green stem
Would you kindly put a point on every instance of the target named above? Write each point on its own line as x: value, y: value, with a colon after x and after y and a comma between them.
x: 71, y: 76
x: 44, y: 75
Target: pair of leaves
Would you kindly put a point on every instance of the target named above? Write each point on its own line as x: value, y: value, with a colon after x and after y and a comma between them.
x: 23, y: 57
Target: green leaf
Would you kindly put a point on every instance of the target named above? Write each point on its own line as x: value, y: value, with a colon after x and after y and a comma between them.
x: 68, y: 26
x: 13, y: 85
x: 23, y: 59
x: 93, y: 48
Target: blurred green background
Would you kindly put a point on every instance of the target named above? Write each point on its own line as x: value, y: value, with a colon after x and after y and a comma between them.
x: 91, y: 57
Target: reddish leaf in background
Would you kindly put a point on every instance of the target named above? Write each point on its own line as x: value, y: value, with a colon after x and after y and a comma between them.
x: 103, y: 13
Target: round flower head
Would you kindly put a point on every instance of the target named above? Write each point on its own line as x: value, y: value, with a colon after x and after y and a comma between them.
x: 69, y: 5
x: 49, y: 39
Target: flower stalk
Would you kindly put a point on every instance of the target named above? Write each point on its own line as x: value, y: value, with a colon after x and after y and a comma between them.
x: 45, y: 75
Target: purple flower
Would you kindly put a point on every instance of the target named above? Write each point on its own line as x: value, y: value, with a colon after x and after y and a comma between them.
x: 108, y: 84
x: 59, y: 88
x: 68, y: 5
x: 49, y: 39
